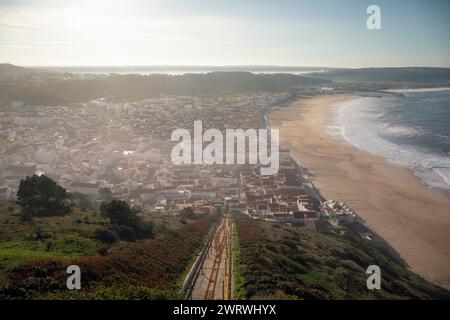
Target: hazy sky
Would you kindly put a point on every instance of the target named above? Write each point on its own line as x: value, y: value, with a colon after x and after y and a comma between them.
x: 228, y: 32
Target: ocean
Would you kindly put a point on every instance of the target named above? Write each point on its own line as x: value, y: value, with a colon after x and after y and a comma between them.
x: 411, y: 131
x: 179, y: 70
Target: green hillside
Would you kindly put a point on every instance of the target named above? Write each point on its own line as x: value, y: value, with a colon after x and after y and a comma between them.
x: 282, y: 262
x: 34, y: 256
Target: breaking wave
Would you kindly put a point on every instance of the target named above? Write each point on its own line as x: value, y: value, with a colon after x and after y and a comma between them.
x: 358, y: 123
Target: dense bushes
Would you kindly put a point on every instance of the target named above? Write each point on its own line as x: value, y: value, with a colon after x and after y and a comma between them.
x: 126, y: 233
x: 153, y: 263
x: 105, y: 235
x: 29, y: 279
x: 118, y: 292
x: 119, y: 212
x: 125, y: 218
x: 279, y: 261
x: 188, y: 213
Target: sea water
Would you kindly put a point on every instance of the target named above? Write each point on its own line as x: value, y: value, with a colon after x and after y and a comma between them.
x: 412, y: 130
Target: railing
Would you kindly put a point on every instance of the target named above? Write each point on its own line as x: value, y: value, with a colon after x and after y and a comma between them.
x: 192, y: 276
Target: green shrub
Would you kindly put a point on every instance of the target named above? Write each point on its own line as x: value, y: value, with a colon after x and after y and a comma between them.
x: 126, y: 233
x: 144, y: 229
x: 40, y: 234
x: 103, y: 251
x: 49, y: 245
x: 188, y: 213
x: 120, y: 213
x: 25, y: 216
x: 105, y: 235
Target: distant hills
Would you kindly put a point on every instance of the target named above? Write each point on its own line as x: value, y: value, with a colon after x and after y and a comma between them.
x: 409, y: 75
x: 53, y: 88
x: 181, y: 69
x: 7, y: 69
x: 61, y: 90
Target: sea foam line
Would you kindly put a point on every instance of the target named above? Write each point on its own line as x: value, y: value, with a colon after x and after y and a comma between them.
x: 353, y: 124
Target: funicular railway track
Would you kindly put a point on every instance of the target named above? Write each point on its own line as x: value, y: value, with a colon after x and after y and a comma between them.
x: 212, y: 278
x: 219, y: 244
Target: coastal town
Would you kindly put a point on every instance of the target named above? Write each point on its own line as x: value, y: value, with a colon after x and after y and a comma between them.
x: 101, y: 150
x: 222, y: 159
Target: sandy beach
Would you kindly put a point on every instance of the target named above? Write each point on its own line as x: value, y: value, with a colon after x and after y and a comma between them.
x: 412, y: 218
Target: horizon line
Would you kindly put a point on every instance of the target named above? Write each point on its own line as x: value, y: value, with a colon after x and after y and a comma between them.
x: 217, y: 66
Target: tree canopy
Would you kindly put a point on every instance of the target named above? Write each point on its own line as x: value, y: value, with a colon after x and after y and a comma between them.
x: 41, y: 196
x: 120, y: 213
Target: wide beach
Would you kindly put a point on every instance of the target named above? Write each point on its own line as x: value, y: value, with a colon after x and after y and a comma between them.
x: 412, y: 218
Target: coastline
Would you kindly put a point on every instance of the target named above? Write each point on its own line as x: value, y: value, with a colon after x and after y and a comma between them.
x: 412, y: 218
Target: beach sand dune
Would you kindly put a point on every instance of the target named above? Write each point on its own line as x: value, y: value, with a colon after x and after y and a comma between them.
x: 414, y: 219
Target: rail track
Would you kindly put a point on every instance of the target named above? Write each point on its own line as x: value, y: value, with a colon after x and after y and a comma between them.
x: 212, y: 280
x: 219, y: 245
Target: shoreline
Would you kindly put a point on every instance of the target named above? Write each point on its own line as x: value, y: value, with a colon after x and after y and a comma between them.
x: 412, y: 218
x: 334, y: 130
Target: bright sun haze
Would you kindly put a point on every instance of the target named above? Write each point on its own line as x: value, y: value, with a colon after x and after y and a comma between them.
x: 199, y: 32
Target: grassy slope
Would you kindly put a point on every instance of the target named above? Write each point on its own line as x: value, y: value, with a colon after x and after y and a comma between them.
x: 62, y: 238
x: 65, y: 237
x: 71, y: 238
x: 279, y: 261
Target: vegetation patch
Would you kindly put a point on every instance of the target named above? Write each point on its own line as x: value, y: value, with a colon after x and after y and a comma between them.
x: 238, y: 279
x: 278, y: 261
x: 154, y: 263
